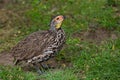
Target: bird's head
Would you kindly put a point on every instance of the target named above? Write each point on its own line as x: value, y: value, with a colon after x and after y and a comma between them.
x: 56, y: 22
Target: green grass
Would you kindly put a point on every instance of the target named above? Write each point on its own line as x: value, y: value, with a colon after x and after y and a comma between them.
x: 18, y: 74
x: 15, y: 74
x: 60, y: 75
x: 90, y: 61
x: 100, y: 62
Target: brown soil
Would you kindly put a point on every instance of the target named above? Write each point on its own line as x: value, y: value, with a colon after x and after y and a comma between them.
x: 97, y: 35
x: 6, y: 59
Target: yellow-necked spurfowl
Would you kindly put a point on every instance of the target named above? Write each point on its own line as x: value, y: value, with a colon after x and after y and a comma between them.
x: 40, y: 46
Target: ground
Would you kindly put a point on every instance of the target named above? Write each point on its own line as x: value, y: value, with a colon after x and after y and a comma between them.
x: 92, y: 49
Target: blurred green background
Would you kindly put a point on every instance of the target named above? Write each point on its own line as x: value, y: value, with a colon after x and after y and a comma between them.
x: 92, y: 29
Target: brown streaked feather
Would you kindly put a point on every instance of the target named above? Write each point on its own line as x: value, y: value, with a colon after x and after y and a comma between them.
x: 33, y: 47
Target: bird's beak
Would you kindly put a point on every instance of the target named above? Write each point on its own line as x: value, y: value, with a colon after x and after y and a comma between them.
x: 64, y: 17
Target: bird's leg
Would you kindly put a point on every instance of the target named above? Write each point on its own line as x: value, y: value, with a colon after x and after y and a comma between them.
x: 16, y: 62
x: 44, y: 66
x: 38, y: 69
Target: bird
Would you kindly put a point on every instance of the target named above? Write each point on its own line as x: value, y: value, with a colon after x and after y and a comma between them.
x: 40, y: 46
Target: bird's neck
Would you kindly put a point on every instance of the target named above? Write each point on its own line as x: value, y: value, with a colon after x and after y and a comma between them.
x: 52, y: 28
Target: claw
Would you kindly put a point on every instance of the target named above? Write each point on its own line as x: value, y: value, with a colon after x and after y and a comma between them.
x: 39, y: 70
x: 44, y: 66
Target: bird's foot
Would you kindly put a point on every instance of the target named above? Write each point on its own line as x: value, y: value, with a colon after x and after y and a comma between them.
x: 39, y: 70
x: 45, y: 66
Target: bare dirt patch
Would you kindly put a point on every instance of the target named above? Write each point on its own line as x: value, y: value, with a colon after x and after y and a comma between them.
x: 6, y: 59
x: 97, y: 35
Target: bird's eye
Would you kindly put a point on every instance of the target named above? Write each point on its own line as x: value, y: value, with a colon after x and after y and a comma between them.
x: 57, y: 19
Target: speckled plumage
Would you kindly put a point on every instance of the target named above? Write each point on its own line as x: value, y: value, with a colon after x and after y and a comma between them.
x: 39, y: 46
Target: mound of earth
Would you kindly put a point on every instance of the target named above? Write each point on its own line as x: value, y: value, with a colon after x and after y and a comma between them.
x: 96, y: 36
x: 6, y: 59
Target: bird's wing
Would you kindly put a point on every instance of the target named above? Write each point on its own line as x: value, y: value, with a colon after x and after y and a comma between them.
x: 54, y: 45
x: 31, y: 46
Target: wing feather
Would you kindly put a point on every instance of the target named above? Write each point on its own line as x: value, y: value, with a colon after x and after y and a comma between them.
x: 31, y: 46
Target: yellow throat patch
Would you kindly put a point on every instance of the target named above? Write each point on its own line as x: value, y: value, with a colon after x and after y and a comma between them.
x: 58, y: 25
